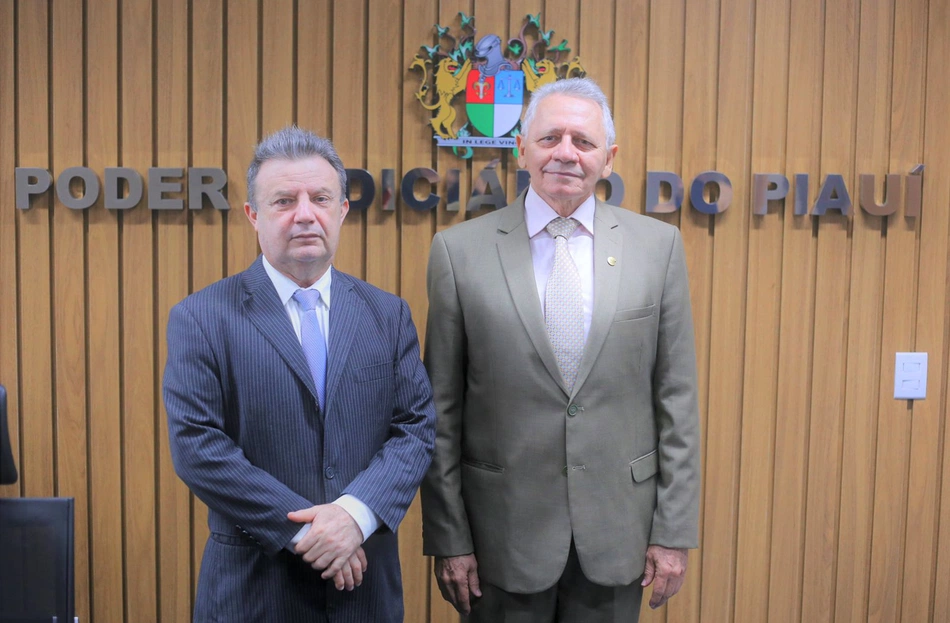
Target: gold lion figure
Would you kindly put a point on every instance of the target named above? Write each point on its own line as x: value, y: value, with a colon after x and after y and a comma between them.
x: 450, y: 80
x: 546, y: 72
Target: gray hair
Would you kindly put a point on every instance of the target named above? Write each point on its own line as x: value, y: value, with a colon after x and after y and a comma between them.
x: 292, y: 143
x: 583, y: 88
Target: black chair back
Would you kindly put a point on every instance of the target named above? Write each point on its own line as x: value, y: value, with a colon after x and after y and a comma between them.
x: 37, y: 569
x: 8, y: 473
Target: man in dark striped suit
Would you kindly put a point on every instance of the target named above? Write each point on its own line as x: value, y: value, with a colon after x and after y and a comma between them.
x: 298, y: 410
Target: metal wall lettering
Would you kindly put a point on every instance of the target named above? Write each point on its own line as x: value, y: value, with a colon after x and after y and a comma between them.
x: 723, y: 201
x: 367, y: 188
x: 114, y: 199
x: 198, y: 188
x: 833, y: 196
x: 487, y: 189
x: 654, y: 180
x: 409, y: 182
x: 767, y: 187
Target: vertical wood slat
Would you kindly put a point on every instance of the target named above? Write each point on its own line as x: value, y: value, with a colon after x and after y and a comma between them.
x: 864, y: 327
x: 313, y: 64
x: 349, y: 122
x: 69, y: 334
x: 242, y: 126
x: 895, y: 418
x: 138, y: 326
x: 665, y: 92
x: 831, y: 313
x: 36, y: 428
x: 171, y: 124
x: 797, y: 317
x: 933, y: 248
x: 726, y: 346
x: 932, y: 323
x: 105, y: 443
x: 701, y: 73
x: 763, y: 314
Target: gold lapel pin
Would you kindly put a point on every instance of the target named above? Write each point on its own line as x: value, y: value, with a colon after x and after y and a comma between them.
x: 612, y: 260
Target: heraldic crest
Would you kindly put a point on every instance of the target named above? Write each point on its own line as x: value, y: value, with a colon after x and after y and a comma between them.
x: 493, y: 76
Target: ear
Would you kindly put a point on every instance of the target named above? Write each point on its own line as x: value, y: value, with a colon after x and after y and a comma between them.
x: 609, y: 165
x: 344, y: 210
x: 519, y: 141
x: 251, y: 215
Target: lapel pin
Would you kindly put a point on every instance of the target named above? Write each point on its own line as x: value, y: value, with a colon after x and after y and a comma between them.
x: 612, y: 260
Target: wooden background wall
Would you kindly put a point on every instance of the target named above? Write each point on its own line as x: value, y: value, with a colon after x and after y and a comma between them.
x: 824, y: 498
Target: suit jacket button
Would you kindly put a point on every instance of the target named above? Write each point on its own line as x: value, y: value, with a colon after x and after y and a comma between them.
x: 572, y: 411
x: 328, y: 472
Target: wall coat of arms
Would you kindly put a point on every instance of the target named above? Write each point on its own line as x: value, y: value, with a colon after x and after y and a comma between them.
x: 496, y: 78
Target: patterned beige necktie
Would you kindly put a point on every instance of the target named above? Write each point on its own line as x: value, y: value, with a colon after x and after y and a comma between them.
x: 563, y: 303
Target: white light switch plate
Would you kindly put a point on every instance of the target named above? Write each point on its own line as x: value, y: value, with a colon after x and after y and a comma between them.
x: 910, y: 376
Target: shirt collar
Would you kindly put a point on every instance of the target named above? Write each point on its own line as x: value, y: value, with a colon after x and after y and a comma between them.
x: 286, y: 287
x: 537, y: 213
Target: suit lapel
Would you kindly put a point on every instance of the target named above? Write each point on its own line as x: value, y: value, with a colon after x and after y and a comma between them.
x: 264, y: 310
x: 345, y: 312
x: 515, y: 255
x: 608, y: 242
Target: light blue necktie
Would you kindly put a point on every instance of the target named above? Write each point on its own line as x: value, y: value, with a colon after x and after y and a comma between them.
x: 311, y: 338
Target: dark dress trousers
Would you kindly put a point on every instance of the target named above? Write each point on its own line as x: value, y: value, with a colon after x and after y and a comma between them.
x: 247, y: 436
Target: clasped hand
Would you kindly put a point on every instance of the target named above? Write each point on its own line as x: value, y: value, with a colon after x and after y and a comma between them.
x: 333, y: 544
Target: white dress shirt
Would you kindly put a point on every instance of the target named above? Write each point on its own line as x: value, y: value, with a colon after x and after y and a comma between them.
x: 364, y: 516
x: 537, y: 214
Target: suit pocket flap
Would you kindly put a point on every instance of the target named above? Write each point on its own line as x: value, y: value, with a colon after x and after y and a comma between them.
x: 634, y: 314
x: 644, y: 467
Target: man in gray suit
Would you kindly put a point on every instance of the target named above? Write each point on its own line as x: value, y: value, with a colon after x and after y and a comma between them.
x: 560, y: 349
x: 298, y: 410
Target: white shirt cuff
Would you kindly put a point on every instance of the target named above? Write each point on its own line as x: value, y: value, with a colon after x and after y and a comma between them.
x: 363, y: 515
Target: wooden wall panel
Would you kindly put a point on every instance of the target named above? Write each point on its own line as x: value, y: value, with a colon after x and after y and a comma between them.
x: 242, y: 119
x: 763, y: 314
x: 69, y: 299
x: 823, y: 497
x: 727, y: 313
x: 864, y: 328
x: 796, y: 328
x: 931, y: 309
x: 701, y: 73
x: 35, y: 299
x: 891, y: 507
x: 138, y: 340
x: 349, y: 121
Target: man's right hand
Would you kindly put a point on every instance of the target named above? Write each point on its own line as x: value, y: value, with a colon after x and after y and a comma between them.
x: 458, y: 580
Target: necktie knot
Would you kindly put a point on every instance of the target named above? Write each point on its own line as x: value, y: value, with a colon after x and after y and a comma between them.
x: 307, y: 299
x: 561, y: 226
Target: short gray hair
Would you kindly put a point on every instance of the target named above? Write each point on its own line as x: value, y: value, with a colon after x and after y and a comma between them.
x: 292, y: 143
x: 583, y: 88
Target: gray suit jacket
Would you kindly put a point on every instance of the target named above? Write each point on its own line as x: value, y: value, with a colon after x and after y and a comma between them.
x: 521, y: 465
x: 248, y: 439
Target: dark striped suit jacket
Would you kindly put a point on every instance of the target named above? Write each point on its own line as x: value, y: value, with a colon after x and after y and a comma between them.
x: 248, y: 438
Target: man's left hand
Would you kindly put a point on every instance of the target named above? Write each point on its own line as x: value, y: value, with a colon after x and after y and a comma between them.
x: 666, y: 570
x: 333, y: 537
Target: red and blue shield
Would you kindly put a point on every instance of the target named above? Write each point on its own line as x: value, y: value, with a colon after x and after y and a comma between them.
x: 494, y: 103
